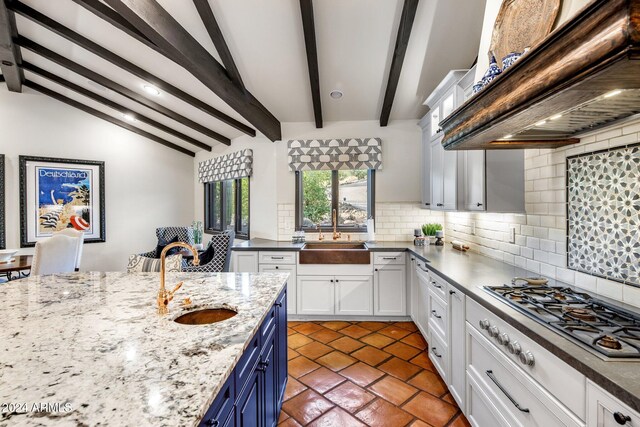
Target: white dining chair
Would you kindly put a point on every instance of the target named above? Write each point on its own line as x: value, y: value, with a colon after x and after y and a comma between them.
x: 79, y: 236
x: 57, y: 254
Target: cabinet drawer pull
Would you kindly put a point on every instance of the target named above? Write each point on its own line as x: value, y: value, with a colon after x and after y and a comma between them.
x: 213, y: 423
x: 278, y: 304
x: 277, y: 257
x: 479, y: 204
x: 433, y: 350
x: 388, y: 257
x: 502, y: 389
x: 423, y: 269
x: 439, y: 204
x: 435, y: 314
x: 452, y: 292
x: 427, y: 204
x: 621, y: 418
x: 434, y: 283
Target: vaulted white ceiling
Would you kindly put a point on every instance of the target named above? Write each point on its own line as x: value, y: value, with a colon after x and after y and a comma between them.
x: 355, y: 41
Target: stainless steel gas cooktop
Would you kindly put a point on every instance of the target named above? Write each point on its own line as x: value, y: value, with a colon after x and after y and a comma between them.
x: 608, y: 330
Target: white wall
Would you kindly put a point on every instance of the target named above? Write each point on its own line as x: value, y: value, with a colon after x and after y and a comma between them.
x: 273, y: 183
x: 147, y: 185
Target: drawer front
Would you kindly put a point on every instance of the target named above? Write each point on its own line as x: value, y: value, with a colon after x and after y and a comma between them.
x: 247, y: 363
x: 269, y: 324
x: 439, y: 355
x: 607, y: 411
x: 521, y: 398
x: 480, y: 410
x: 268, y: 257
x: 438, y: 286
x: 382, y: 258
x: 561, y: 380
x: 222, y: 405
x: 438, y: 316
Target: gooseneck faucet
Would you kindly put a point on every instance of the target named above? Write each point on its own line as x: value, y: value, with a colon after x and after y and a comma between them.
x: 164, y: 296
x: 336, y: 235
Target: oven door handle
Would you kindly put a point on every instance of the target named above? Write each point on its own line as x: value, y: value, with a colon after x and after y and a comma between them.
x: 506, y: 393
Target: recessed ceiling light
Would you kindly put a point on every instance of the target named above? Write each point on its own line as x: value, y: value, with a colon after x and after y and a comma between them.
x: 151, y: 90
x: 612, y: 93
x: 129, y: 117
x: 556, y: 117
x: 541, y: 122
x: 508, y: 136
x: 336, y: 94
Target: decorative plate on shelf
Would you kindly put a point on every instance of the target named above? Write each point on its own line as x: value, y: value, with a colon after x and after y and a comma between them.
x: 521, y: 24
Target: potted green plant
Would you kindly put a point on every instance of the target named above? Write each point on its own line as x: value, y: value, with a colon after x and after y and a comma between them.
x: 429, y: 230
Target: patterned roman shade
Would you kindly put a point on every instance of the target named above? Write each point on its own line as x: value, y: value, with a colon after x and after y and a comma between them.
x: 230, y: 166
x: 335, y: 154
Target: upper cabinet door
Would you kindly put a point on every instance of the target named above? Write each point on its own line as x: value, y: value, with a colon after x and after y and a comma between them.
x: 437, y: 175
x: 426, y: 170
x: 474, y: 180
x: 434, y: 122
x: 450, y: 179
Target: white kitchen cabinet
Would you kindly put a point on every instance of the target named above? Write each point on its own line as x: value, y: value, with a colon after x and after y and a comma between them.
x: 604, y: 410
x: 457, y: 374
x: 244, y: 261
x: 354, y: 295
x: 291, y: 282
x: 389, y: 295
x: 316, y: 295
x: 422, y: 317
x: 469, y: 180
x: 412, y: 285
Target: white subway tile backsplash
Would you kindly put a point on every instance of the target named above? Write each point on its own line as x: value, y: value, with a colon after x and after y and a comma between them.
x: 609, y: 289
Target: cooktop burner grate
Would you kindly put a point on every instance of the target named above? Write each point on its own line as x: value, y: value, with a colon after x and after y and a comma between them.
x: 604, y: 328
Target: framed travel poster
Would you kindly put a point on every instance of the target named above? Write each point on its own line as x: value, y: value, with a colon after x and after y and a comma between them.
x: 61, y: 193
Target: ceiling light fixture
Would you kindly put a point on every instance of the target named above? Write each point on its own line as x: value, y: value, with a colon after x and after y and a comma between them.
x: 613, y: 93
x: 541, y: 122
x: 336, y: 94
x: 129, y: 117
x: 556, y: 117
x: 151, y: 90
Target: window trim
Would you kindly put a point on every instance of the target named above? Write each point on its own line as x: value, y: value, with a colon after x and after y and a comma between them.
x: 371, y: 202
x: 208, y: 186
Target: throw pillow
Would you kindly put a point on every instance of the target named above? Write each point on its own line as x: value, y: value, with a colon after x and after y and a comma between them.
x: 207, y: 255
x: 141, y: 264
x: 163, y: 243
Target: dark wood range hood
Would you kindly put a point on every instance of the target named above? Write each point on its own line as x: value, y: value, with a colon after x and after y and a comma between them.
x: 584, y: 75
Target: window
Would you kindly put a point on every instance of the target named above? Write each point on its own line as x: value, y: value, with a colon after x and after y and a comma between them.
x: 349, y: 192
x: 226, y: 205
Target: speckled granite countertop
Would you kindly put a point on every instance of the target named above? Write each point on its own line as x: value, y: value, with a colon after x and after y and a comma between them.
x: 469, y: 271
x: 93, y: 342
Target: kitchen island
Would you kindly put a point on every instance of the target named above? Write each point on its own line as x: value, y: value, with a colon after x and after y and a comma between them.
x: 90, y: 348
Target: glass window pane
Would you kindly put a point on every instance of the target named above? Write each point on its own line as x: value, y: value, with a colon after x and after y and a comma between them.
x: 352, y: 198
x: 229, y: 189
x: 316, y: 198
x: 214, y: 207
x: 243, y: 227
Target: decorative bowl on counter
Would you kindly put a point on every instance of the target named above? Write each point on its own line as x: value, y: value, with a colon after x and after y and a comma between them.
x: 7, y: 254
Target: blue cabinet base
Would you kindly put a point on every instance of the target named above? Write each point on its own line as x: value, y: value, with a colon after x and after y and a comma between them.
x: 253, y: 394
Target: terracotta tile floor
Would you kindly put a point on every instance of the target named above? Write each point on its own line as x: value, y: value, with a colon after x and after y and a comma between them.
x: 344, y: 374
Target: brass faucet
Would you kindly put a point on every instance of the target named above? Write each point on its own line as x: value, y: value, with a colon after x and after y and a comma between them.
x: 320, y: 235
x: 336, y: 235
x: 164, y: 296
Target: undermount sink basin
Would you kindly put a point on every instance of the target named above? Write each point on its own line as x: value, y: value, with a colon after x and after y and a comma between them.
x: 205, y: 316
x: 335, y: 253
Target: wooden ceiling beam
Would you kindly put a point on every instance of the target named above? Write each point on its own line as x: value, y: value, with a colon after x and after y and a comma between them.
x: 309, y: 29
x: 112, y: 104
x: 10, y: 56
x: 118, y: 88
x: 163, y: 30
x: 118, y: 61
x: 104, y: 116
x: 210, y: 23
x: 402, y: 41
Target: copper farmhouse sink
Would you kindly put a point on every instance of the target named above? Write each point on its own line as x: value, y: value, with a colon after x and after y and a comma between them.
x: 335, y: 253
x: 205, y: 316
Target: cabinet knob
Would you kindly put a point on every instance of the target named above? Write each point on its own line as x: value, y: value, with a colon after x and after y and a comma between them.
x: 337, y: 280
x: 439, y: 130
x: 375, y: 269
x: 621, y: 418
x: 331, y: 280
x: 277, y: 267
